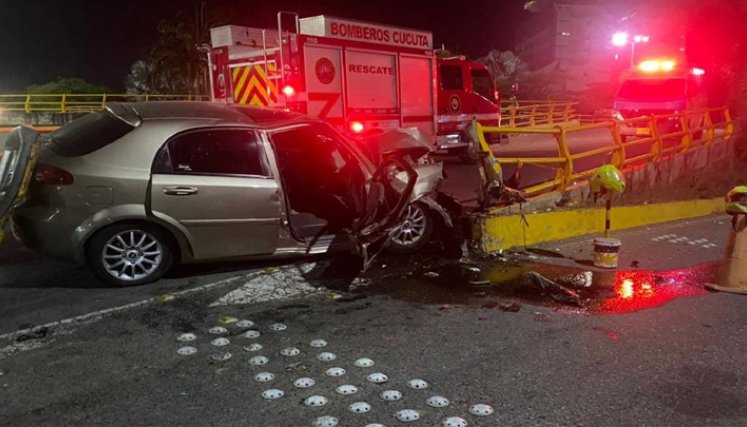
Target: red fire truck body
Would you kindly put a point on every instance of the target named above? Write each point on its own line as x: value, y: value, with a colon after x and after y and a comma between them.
x: 363, y: 78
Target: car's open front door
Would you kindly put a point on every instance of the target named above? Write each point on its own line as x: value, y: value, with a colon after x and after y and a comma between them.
x: 18, y: 154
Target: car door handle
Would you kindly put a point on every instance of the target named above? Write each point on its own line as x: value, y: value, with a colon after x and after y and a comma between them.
x: 180, y: 191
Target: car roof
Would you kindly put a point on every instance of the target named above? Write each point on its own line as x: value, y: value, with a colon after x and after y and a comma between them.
x: 262, y: 117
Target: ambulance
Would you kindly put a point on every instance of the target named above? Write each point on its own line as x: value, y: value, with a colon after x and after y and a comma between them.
x: 363, y: 78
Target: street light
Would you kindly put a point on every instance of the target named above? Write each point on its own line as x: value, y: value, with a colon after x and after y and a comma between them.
x: 620, y: 39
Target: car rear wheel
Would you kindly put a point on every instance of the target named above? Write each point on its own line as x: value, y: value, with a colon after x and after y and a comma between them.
x: 130, y: 254
x: 415, y: 231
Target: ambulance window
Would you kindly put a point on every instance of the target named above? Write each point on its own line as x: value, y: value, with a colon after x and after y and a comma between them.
x: 482, y: 83
x: 451, y: 77
x: 652, y: 90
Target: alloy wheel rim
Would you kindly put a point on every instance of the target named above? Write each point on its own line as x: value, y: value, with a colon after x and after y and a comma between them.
x: 412, y: 228
x: 132, y: 255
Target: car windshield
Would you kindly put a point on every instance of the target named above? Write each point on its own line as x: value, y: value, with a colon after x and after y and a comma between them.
x: 482, y: 83
x: 652, y: 90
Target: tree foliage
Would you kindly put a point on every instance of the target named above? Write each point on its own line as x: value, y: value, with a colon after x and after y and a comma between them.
x: 174, y: 65
x: 63, y: 85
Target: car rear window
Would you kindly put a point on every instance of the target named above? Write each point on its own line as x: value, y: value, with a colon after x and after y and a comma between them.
x: 88, y: 134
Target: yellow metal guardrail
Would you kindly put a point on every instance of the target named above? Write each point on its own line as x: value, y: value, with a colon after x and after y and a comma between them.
x: 687, y: 130
x: 79, y: 103
x: 518, y: 113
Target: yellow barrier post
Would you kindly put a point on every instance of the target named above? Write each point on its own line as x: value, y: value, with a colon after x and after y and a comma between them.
x: 687, y: 137
x: 729, y: 131
x: 618, y: 159
x: 565, y: 152
x: 709, y: 129
x: 27, y: 104
x: 532, y: 121
x: 550, y: 112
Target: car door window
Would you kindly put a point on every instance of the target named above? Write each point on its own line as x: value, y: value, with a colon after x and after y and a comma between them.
x: 451, y: 77
x: 213, y: 152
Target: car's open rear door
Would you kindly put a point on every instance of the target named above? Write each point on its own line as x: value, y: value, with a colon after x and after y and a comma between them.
x: 18, y: 154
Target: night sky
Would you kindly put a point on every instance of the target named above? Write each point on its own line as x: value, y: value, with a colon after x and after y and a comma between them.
x: 98, y: 40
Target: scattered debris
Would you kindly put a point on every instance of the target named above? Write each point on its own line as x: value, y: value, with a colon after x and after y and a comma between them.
x: 164, y: 297
x: 578, y: 280
x: 431, y: 274
x: 509, y: 306
x: 293, y: 367
x: 635, y: 264
x: 227, y: 319
x: 557, y: 291
x: 35, y: 334
x: 490, y: 304
x: 610, y: 333
x: 541, y: 317
x: 270, y: 270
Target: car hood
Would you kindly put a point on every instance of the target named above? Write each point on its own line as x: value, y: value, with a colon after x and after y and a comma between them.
x: 399, y: 142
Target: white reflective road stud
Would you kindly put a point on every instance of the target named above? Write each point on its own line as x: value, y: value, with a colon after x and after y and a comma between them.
x: 244, y: 324
x: 273, y: 393
x: 481, y: 410
x: 221, y: 356
x: 346, y: 389
x: 315, y: 401
x: 253, y: 347
x: 304, y: 382
x: 325, y: 421
x: 359, y: 407
x: 217, y: 330
x: 318, y: 343
x: 391, y: 395
x: 186, y: 337
x: 377, y: 378
x: 277, y: 327
x: 407, y: 415
x: 375, y: 425
x: 437, y: 401
x: 364, y: 362
x: 335, y: 372
x: 417, y: 384
x: 326, y: 356
x: 186, y: 351
x: 220, y: 342
x: 454, y: 422
x: 258, y: 360
x: 251, y: 334
x: 290, y: 352
x: 264, y: 377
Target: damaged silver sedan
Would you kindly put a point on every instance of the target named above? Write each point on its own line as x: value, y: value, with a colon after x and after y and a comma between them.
x: 134, y: 189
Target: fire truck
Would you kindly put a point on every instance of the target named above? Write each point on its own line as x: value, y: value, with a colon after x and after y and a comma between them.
x: 363, y: 78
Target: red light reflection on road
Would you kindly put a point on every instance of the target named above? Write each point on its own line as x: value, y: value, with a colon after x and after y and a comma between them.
x: 640, y: 290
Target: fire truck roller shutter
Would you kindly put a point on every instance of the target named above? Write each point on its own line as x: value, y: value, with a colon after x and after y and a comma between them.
x: 416, y: 87
x: 323, y: 71
x: 372, y: 86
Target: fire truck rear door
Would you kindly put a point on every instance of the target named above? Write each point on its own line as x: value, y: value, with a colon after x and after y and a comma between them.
x: 323, y: 70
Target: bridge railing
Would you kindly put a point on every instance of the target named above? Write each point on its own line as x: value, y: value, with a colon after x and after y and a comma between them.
x: 520, y: 113
x: 628, y: 143
x: 79, y: 103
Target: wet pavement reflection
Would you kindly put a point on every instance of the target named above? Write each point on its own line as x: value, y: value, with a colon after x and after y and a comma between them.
x: 508, y: 284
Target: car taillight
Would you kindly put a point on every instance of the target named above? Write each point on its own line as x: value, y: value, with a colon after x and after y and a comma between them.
x: 50, y: 175
x: 356, y: 127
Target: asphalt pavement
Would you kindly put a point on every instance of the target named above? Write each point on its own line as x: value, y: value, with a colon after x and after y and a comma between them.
x: 477, y: 346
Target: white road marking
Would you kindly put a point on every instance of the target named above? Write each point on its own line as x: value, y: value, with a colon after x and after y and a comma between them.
x: 286, y: 282
x: 54, y: 328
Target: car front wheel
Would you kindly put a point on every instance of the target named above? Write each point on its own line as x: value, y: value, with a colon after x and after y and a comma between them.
x: 415, y: 231
x: 129, y: 254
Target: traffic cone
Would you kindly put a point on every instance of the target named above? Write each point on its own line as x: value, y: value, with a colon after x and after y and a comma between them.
x: 732, y: 275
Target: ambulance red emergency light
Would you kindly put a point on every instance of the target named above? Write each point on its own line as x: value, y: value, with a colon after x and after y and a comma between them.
x: 363, y: 78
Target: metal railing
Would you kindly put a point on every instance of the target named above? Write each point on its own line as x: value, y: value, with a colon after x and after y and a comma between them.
x: 658, y: 137
x: 79, y: 103
x: 519, y: 113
